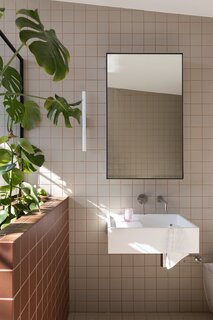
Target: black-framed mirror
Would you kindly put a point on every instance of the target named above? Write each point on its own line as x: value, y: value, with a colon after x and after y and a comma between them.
x: 6, y: 51
x: 144, y: 116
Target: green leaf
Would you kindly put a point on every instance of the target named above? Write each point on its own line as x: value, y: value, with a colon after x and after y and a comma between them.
x: 17, y: 176
x: 2, y: 12
x: 59, y: 105
x: 13, y: 146
x: 42, y: 192
x: 36, y: 159
x: 6, y: 201
x: 25, y: 145
x: 4, y: 189
x: 28, y: 167
x: 29, y: 190
x: 7, y: 168
x: 13, y: 212
x: 3, y: 139
x: 14, y: 108
x: 49, y: 52
x: 7, y: 221
x: 1, y: 62
x: 3, y: 215
x: 12, y: 80
x: 5, y: 156
x: 34, y: 206
x: 31, y: 115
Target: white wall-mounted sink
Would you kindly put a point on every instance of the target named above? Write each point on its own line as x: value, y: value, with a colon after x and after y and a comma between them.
x: 152, y: 234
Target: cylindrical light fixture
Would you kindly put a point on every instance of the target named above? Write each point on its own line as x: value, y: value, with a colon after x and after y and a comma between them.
x: 84, y: 121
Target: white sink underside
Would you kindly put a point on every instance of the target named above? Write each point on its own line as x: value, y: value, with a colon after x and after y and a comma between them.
x: 148, y: 234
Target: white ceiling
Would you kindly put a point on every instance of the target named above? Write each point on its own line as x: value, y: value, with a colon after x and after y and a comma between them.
x: 190, y: 7
x: 160, y: 73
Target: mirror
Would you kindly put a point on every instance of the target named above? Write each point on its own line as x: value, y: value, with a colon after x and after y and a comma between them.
x: 144, y: 116
x: 6, y: 52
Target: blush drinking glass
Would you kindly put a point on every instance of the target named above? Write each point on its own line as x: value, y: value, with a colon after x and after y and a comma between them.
x: 128, y: 212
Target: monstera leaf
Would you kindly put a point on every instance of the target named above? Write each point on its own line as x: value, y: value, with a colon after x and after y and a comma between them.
x: 14, y: 108
x: 28, y: 114
x: 31, y: 115
x: 58, y: 105
x: 44, y: 44
x: 11, y: 80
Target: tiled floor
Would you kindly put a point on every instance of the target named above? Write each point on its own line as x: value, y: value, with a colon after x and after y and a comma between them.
x: 141, y: 316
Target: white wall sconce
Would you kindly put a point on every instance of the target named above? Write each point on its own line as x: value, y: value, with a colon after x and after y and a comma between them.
x: 84, y: 121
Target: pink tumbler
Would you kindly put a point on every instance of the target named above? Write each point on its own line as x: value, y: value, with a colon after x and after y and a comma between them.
x: 128, y: 212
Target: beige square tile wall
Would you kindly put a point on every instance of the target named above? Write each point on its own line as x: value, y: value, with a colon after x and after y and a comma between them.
x: 99, y: 282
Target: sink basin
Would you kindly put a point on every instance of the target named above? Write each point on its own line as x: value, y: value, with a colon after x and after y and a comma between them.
x: 149, y: 234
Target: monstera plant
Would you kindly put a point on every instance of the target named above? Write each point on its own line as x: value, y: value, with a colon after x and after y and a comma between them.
x: 18, y: 157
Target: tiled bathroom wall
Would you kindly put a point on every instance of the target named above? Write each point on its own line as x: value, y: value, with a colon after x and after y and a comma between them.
x: 99, y: 282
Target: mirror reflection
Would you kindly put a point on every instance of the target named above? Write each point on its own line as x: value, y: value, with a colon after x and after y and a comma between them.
x: 144, y: 116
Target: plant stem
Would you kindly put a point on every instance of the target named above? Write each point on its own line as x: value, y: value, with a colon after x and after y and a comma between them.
x: 8, y: 121
x: 10, y: 184
x: 20, y: 165
x: 12, y: 58
x: 23, y: 95
x: 9, y: 62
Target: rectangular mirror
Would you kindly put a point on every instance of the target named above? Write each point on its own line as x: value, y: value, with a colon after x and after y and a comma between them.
x: 144, y: 116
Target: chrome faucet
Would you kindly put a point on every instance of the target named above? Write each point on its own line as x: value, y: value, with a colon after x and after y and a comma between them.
x: 162, y: 200
x: 142, y: 199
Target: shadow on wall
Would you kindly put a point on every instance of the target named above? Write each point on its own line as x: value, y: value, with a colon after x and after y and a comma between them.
x: 48, y: 179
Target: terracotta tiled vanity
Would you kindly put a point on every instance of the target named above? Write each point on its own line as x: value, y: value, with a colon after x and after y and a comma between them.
x: 34, y: 269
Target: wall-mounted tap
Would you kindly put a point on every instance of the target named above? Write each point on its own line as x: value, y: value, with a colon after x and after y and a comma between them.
x: 142, y: 199
x: 162, y: 200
